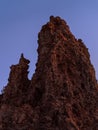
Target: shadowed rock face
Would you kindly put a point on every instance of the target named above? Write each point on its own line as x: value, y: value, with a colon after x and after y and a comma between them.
x: 16, y: 90
x: 62, y: 94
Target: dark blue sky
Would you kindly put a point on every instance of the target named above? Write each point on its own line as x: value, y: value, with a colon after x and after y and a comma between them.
x: 21, y: 20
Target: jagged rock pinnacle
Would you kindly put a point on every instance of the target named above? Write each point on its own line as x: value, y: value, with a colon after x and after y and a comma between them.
x: 62, y: 94
x: 54, y: 30
x: 18, y: 82
x: 23, y: 60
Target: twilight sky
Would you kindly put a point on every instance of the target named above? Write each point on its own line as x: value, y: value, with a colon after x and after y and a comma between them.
x: 21, y: 20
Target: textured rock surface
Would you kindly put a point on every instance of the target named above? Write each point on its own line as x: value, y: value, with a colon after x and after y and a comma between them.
x: 62, y: 94
x: 18, y: 83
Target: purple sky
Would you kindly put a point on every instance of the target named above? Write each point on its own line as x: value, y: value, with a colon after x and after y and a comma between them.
x: 21, y: 20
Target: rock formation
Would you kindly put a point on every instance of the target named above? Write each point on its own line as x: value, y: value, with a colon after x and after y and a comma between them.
x: 18, y: 83
x: 63, y: 92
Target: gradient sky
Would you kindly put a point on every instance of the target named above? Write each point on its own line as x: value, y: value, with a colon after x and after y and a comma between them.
x: 21, y: 20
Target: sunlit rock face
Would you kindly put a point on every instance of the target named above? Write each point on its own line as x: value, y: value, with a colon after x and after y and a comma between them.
x: 62, y: 94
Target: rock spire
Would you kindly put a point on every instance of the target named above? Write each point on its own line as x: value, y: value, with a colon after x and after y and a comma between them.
x: 63, y: 92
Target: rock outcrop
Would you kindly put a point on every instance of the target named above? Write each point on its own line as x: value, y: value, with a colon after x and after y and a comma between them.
x: 63, y: 92
x: 18, y: 83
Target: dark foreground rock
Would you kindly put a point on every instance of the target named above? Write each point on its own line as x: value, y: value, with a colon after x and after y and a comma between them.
x: 63, y: 92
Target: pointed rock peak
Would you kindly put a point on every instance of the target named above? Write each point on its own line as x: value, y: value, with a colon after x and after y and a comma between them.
x: 54, y: 31
x: 22, y: 55
x: 18, y: 82
x: 23, y: 60
x: 58, y: 21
